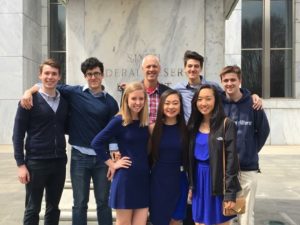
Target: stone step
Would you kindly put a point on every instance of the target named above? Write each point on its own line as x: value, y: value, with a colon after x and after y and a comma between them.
x: 66, y: 204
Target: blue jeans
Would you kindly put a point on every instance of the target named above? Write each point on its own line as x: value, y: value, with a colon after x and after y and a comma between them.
x: 83, y: 169
x: 48, y: 175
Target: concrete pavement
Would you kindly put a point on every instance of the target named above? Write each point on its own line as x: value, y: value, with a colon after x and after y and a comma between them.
x: 278, y: 195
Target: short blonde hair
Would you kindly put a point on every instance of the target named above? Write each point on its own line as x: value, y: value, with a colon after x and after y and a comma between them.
x: 231, y: 69
x: 125, y: 111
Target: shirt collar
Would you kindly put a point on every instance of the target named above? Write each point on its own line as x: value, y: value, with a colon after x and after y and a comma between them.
x: 156, y: 89
x: 100, y: 94
x: 189, y: 86
x: 48, y: 97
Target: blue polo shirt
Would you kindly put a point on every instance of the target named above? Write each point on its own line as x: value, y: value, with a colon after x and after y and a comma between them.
x: 187, y: 91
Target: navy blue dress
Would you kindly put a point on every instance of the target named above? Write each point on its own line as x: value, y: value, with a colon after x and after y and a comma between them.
x: 169, y: 185
x: 206, y: 208
x: 130, y: 188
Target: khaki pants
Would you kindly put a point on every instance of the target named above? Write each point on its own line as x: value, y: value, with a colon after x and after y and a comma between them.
x: 248, y: 180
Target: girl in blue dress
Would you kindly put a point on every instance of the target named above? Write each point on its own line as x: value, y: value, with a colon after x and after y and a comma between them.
x: 168, y: 146
x: 130, y: 188
x: 207, y: 134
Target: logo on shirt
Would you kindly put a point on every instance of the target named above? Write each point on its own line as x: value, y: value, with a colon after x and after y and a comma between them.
x: 243, y: 123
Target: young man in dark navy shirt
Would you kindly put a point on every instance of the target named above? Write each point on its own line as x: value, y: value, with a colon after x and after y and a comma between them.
x: 43, y: 165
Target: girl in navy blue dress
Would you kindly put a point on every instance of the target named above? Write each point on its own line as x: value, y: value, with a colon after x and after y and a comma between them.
x: 130, y: 175
x: 207, y: 134
x: 168, y: 153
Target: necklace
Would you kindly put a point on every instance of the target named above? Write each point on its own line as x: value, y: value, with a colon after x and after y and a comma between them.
x: 204, y: 127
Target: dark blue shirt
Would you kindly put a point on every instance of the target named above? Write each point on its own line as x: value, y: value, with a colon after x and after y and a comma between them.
x: 88, y: 114
x: 44, y: 129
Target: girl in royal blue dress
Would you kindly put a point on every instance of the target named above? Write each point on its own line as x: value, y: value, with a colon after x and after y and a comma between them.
x: 168, y: 153
x: 207, y: 134
x: 130, y: 188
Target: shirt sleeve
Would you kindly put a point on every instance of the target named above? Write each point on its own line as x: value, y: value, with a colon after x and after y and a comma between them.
x: 66, y: 90
x: 113, y: 147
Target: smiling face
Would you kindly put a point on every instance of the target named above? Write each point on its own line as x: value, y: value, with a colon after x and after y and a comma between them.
x: 193, y: 70
x: 206, y: 102
x: 49, y: 77
x: 231, y: 83
x: 171, y: 106
x: 150, y: 68
x: 136, y: 102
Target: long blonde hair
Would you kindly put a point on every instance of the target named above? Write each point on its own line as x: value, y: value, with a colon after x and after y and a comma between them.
x: 125, y: 111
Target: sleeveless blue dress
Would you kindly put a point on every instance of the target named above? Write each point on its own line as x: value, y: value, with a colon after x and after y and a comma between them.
x: 169, y: 185
x: 206, y: 207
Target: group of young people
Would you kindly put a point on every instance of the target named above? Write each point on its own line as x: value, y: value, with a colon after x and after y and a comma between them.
x: 170, y: 144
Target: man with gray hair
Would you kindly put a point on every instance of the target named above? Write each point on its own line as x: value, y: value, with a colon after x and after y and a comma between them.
x: 151, y: 69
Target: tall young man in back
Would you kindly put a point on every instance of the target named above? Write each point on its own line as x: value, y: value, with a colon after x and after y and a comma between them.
x: 252, y: 132
x: 193, y: 65
x: 43, y: 165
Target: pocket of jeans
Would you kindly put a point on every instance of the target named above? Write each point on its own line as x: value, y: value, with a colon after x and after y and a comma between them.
x: 77, y: 155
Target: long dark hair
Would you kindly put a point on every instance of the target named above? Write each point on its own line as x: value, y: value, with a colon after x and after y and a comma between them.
x: 196, y: 117
x: 160, y: 120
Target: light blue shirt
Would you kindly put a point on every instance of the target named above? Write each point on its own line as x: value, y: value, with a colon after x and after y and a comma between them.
x: 187, y: 91
x: 53, y: 101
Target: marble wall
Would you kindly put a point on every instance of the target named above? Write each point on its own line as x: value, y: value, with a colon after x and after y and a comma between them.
x: 233, y: 35
x: 20, y: 55
x: 120, y: 33
x: 283, y: 115
x: 11, y: 64
x: 214, y: 43
x: 297, y: 48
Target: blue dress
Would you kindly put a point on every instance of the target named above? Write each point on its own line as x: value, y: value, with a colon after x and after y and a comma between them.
x: 130, y: 188
x: 206, y: 208
x: 169, y: 185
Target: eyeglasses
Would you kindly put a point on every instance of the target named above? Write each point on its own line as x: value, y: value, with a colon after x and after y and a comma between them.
x: 95, y: 74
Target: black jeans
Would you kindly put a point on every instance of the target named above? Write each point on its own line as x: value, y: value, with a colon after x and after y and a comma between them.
x: 48, y: 175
